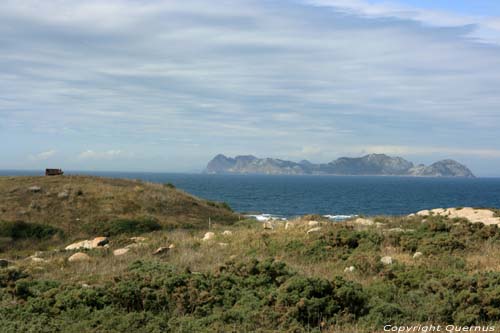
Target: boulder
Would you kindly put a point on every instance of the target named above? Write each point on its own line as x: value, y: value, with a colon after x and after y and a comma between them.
x: 227, y: 233
x: 88, y: 244
x: 79, y: 257
x: 386, y: 260
x: 120, y: 252
x: 63, y: 195
x: 35, y: 189
x: 99, y: 241
x: 424, y: 212
x: 138, y: 239
x: 161, y: 250
x: 310, y: 231
x: 208, y: 236
x: 417, y: 255
x: 313, y: 223
x: 363, y: 221
x: 38, y: 260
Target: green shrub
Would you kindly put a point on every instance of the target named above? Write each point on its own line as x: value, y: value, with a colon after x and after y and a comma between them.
x: 129, y: 226
x: 22, y: 230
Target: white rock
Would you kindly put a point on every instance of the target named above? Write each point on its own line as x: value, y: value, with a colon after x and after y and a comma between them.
x: 208, y: 236
x: 363, y: 221
x: 288, y: 225
x: 38, y: 260
x: 310, y: 231
x: 223, y: 244
x: 79, y: 257
x: 386, y: 260
x: 63, y: 195
x: 417, y: 255
x: 171, y: 246
x: 313, y: 223
x: 88, y: 244
x: 35, y: 189
x: 120, y: 252
x: 227, y: 233
x: 138, y: 239
x: 424, y: 212
x: 349, y: 269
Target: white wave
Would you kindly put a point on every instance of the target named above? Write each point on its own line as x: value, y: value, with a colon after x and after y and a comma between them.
x: 339, y: 217
x: 266, y: 217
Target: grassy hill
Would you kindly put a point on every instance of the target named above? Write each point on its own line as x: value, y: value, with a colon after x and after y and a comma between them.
x: 83, y: 205
x: 307, y: 275
x: 248, y: 279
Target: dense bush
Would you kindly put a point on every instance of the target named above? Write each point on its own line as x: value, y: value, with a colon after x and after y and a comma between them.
x: 126, y: 226
x: 22, y: 230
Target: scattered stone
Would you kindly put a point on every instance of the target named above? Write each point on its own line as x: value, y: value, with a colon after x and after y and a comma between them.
x: 386, y: 260
x: 4, y: 263
x: 363, y: 221
x: 350, y: 269
x: 417, y: 255
x: 35, y: 189
x: 63, y: 195
x: 310, y: 231
x: 38, y: 260
x: 208, y: 236
x: 227, y: 233
x: 313, y: 223
x: 161, y: 250
x: 120, y: 252
x: 79, y: 257
x: 138, y: 239
x: 396, y: 230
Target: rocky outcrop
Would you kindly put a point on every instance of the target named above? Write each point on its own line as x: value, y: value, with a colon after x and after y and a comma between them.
x: 373, y: 164
x: 474, y: 215
x: 79, y: 257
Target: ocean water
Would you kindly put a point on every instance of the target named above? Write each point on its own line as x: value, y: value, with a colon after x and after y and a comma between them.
x: 287, y: 196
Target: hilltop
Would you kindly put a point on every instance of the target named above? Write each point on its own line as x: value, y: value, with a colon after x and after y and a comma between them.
x: 83, y: 205
x: 373, y: 164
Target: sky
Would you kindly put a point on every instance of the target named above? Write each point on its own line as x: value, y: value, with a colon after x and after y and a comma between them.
x: 163, y: 86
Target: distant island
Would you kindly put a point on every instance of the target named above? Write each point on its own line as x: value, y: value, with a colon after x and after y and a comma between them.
x: 369, y: 165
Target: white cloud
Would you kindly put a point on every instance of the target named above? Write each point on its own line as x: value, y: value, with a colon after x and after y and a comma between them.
x: 103, y: 155
x: 43, y: 156
x: 487, y: 28
x: 199, y: 78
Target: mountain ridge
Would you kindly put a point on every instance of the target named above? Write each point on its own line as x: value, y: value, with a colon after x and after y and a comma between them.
x: 368, y: 165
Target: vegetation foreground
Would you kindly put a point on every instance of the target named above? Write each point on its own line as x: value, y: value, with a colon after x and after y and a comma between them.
x: 307, y: 275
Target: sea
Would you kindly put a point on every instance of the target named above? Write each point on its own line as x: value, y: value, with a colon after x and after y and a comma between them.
x: 337, y: 197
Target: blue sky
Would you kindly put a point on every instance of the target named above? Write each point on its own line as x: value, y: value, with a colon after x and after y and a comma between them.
x: 165, y: 85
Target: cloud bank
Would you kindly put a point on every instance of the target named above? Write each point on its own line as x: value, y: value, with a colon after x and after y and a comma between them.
x: 175, y: 82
